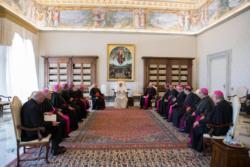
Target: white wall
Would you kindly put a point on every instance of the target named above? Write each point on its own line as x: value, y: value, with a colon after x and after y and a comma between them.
x: 87, y: 43
x: 2, y: 70
x: 234, y: 35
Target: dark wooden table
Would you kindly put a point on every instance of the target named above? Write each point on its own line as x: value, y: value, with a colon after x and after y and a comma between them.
x: 226, y: 156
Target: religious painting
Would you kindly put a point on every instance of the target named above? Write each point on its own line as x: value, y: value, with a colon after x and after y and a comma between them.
x: 121, y: 62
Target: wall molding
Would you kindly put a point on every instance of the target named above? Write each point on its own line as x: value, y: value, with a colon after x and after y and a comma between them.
x: 4, y: 13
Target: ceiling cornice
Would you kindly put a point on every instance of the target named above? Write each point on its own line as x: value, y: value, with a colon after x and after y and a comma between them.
x: 6, y: 11
x: 145, y: 4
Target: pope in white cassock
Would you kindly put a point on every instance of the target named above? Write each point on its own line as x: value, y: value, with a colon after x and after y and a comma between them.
x: 121, y: 98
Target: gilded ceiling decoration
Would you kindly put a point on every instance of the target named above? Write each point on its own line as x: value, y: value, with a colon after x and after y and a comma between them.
x: 149, y: 4
x: 148, y: 16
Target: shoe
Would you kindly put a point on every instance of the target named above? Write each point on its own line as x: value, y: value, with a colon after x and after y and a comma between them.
x: 59, y: 150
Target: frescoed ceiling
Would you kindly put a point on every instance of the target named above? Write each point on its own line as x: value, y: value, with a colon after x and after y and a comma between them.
x: 146, y: 16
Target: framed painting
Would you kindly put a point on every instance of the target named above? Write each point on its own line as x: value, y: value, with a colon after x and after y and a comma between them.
x: 120, y: 62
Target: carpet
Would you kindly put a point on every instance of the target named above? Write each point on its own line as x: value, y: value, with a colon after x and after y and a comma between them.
x: 133, y: 128
x: 124, y: 138
x: 124, y: 158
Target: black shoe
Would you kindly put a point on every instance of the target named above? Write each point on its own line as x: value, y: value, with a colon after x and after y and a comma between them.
x: 59, y: 150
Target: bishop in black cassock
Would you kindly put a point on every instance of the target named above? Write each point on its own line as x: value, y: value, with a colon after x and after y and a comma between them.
x: 214, y: 121
x: 97, y: 97
x: 149, y: 94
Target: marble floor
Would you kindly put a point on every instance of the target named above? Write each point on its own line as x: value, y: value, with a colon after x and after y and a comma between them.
x: 7, y: 139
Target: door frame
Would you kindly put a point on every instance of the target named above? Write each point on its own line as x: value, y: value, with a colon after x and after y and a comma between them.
x: 227, y: 54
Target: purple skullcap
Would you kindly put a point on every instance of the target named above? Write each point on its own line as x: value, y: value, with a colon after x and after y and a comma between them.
x: 56, y: 87
x: 204, y: 91
x: 218, y: 94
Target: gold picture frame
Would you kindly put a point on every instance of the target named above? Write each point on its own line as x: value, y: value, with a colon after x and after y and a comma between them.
x: 121, y: 62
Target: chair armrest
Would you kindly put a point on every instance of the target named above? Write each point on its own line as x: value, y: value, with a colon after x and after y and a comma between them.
x: 7, y: 97
x: 38, y: 130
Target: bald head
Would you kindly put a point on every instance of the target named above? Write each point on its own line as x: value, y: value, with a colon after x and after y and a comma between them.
x: 38, y: 96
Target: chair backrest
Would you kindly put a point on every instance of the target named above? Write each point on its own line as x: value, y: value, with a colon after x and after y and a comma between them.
x: 236, y: 110
x: 16, y: 106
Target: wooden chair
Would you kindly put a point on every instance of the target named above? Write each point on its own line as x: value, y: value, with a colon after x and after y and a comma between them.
x: 207, y: 138
x: 41, y: 142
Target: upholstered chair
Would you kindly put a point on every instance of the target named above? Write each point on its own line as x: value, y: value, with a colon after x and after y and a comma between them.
x: 16, y: 106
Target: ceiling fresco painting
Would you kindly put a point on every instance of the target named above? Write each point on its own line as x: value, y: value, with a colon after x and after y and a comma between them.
x: 188, y: 16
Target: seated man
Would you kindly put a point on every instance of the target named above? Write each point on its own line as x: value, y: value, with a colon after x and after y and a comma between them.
x: 149, y: 94
x: 32, y: 117
x: 58, y: 102
x: 177, y: 102
x: 121, y: 99
x: 203, y: 109
x: 166, y: 100
x: 67, y: 93
x: 49, y: 109
x: 97, y: 97
x: 216, y: 122
x: 162, y: 100
x: 190, y: 104
x: 81, y: 100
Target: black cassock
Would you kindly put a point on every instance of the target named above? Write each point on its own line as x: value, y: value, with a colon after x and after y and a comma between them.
x: 179, y: 104
x: 32, y: 117
x: 78, y: 95
x: 69, y: 97
x: 165, y: 102
x: 97, y: 97
x: 187, y: 119
x: 221, y: 116
x: 150, y: 92
x: 46, y: 106
x: 205, y: 106
x: 190, y: 101
x: 58, y: 102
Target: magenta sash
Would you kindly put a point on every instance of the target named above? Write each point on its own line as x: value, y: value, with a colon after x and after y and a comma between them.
x: 197, y: 118
x: 170, y: 113
x: 158, y: 104
x: 67, y: 120
x: 146, y: 102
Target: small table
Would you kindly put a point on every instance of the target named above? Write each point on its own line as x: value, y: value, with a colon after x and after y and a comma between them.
x: 226, y: 156
x: 2, y: 104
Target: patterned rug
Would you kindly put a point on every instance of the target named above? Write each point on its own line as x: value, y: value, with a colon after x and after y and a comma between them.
x: 124, y: 158
x: 124, y: 138
x: 133, y: 128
